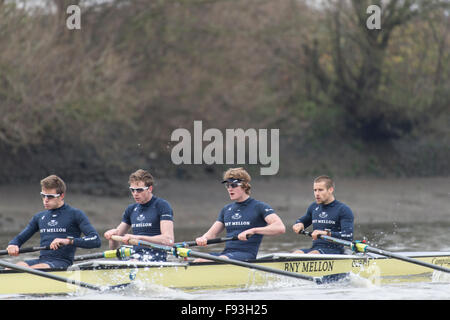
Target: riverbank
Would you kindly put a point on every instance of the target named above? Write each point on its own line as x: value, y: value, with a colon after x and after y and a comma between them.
x: 196, y: 203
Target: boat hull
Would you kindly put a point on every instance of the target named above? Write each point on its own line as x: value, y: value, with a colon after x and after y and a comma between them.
x: 192, y: 276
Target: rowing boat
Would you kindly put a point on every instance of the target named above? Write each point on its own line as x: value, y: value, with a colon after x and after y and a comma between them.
x: 188, y: 275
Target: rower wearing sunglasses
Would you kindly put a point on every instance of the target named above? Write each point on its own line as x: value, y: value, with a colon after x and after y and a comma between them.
x: 60, y: 227
x: 245, y: 217
x: 150, y: 219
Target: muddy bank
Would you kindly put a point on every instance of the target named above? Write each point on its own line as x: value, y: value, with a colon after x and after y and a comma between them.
x: 197, y: 203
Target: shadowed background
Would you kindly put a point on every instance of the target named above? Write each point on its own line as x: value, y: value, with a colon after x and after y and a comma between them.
x: 368, y: 107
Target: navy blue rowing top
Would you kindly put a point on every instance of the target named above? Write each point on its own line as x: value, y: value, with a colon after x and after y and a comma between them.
x: 145, y: 220
x: 240, y: 216
x: 335, y: 216
x: 62, y: 222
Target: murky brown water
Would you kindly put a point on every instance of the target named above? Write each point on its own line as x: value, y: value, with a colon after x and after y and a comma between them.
x: 396, y: 215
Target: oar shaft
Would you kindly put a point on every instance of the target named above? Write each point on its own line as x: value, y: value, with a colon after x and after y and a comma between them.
x: 361, y: 247
x: 49, y: 275
x: 89, y: 256
x: 117, y: 253
x: 25, y: 250
x: 250, y: 265
x: 189, y: 253
x: 407, y: 259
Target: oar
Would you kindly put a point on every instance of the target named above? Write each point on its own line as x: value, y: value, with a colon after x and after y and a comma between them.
x: 184, y: 252
x: 49, y: 275
x: 362, y: 247
x: 25, y: 250
x: 186, y: 244
x: 121, y: 252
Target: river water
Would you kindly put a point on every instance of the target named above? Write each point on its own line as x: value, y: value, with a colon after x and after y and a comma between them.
x: 422, y: 225
x: 392, y: 237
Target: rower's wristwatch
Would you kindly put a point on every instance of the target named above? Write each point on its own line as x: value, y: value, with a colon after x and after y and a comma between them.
x: 70, y: 240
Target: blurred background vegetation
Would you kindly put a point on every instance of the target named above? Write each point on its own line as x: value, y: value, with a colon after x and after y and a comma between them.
x: 94, y: 104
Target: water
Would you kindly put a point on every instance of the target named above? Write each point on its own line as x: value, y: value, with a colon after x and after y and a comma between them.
x: 389, y: 236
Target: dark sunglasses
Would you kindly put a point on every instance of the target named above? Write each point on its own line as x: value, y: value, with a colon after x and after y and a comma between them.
x: 138, y: 190
x: 49, y: 196
x: 232, y: 184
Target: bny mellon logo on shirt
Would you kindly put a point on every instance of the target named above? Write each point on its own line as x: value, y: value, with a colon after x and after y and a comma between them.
x: 236, y: 216
x: 53, y: 223
x: 323, y: 214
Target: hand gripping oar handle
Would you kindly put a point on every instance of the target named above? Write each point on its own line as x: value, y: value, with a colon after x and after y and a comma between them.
x: 362, y: 247
x: 210, y: 241
x: 25, y: 250
x: 355, y: 246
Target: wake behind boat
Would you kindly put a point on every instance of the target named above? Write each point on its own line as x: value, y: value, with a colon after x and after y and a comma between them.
x: 188, y: 275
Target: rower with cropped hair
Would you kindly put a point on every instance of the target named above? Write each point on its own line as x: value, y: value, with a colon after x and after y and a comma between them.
x: 150, y: 218
x: 328, y: 216
x: 60, y: 227
x: 246, y: 218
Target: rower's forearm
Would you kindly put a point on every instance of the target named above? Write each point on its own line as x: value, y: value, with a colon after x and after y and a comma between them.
x: 271, y: 230
x: 209, y: 235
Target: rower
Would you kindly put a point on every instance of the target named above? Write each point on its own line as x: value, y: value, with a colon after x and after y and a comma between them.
x: 60, y: 227
x: 150, y: 218
x: 246, y: 218
x: 328, y: 216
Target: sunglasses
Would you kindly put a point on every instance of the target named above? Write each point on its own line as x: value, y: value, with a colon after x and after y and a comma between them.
x: 49, y: 196
x: 232, y: 184
x: 138, y: 190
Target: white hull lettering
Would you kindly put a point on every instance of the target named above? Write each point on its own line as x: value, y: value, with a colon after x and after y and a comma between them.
x: 360, y: 262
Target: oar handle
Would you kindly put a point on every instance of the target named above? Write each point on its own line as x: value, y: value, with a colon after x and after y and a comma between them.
x: 132, y: 241
x: 355, y: 245
x: 120, y: 239
x: 182, y: 244
x: 209, y: 241
x: 308, y: 233
x: 25, y: 250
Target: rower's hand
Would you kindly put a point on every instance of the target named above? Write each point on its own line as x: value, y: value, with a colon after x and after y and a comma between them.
x: 244, y: 235
x: 315, y: 234
x: 108, y: 234
x: 298, y: 227
x: 13, y: 250
x: 201, y: 241
x: 127, y: 237
x: 59, y: 242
